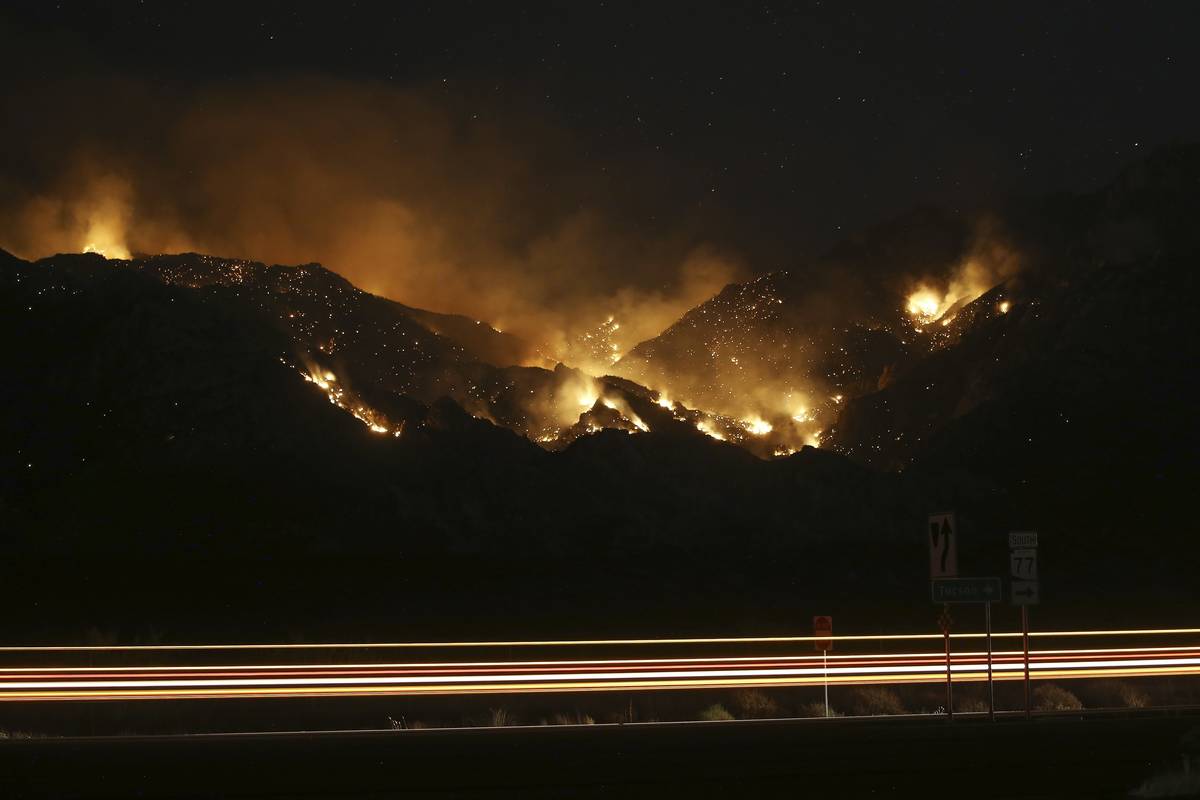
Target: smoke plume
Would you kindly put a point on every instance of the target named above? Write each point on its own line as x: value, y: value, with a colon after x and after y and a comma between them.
x: 498, y: 214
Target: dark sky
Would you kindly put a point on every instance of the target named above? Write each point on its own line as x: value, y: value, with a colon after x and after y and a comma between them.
x: 771, y: 129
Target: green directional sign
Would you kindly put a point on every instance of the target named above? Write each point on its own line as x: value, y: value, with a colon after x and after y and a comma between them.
x: 966, y: 590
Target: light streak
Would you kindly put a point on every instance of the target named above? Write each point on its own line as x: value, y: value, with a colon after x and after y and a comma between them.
x: 874, y: 637
x: 332, y: 678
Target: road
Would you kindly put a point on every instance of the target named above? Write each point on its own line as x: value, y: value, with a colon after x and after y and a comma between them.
x: 257, y: 671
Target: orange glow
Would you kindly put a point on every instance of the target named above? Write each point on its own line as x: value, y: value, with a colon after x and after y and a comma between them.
x: 299, y: 680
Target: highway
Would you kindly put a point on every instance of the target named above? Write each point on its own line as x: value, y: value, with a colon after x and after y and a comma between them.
x: 54, y: 673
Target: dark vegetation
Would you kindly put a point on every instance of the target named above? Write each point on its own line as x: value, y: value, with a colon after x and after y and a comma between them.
x: 167, y: 473
x: 607, y: 708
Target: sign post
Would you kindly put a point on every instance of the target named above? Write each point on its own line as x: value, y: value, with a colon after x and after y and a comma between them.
x: 943, y: 563
x: 945, y: 621
x: 987, y: 617
x: 823, y: 641
x: 1022, y: 548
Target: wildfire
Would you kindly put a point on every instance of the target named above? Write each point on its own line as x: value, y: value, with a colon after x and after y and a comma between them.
x: 626, y: 413
x: 326, y: 380
x: 665, y: 403
x: 801, y: 415
x: 757, y: 426
x: 588, y: 396
x: 1004, y: 306
x: 924, y: 305
x: 107, y: 247
x: 704, y: 427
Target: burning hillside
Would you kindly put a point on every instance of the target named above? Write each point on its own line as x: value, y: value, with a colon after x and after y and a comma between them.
x: 782, y: 354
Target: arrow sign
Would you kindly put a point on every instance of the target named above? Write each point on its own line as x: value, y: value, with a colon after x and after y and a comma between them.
x: 943, y: 545
x: 1025, y: 593
x: 967, y: 590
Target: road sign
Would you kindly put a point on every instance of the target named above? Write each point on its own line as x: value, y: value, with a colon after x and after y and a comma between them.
x: 1023, y: 561
x: 967, y: 590
x: 1025, y: 593
x: 1024, y: 564
x: 943, y: 545
x: 823, y: 630
x: 1022, y: 539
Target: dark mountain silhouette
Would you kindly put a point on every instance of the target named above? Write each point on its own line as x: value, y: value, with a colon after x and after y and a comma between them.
x: 169, y: 459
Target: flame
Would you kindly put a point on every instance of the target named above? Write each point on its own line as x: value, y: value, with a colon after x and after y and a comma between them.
x: 1004, y: 306
x: 105, y: 211
x: 588, y: 396
x: 665, y: 403
x: 924, y: 305
x: 324, y: 380
x: 757, y: 426
x: 801, y: 415
x: 704, y: 427
x: 929, y: 303
x: 104, y: 245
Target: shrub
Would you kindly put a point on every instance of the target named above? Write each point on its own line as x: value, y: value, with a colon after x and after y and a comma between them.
x: 971, y: 705
x: 1049, y: 697
x: 869, y: 701
x: 817, y: 709
x: 1117, y: 694
x: 715, y: 712
x: 575, y: 718
x: 753, y: 704
x: 501, y: 717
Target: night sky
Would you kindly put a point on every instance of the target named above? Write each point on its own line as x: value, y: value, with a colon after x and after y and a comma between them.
x: 765, y: 131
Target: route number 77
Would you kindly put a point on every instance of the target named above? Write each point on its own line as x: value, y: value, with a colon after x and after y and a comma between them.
x: 1024, y: 564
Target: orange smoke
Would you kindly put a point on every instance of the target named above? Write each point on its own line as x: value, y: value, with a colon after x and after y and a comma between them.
x: 499, y: 218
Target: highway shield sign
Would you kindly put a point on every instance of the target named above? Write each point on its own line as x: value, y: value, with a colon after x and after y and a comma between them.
x: 1023, y: 564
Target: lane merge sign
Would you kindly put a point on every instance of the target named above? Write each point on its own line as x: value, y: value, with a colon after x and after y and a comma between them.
x: 823, y: 631
x: 967, y: 590
x: 943, y: 545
